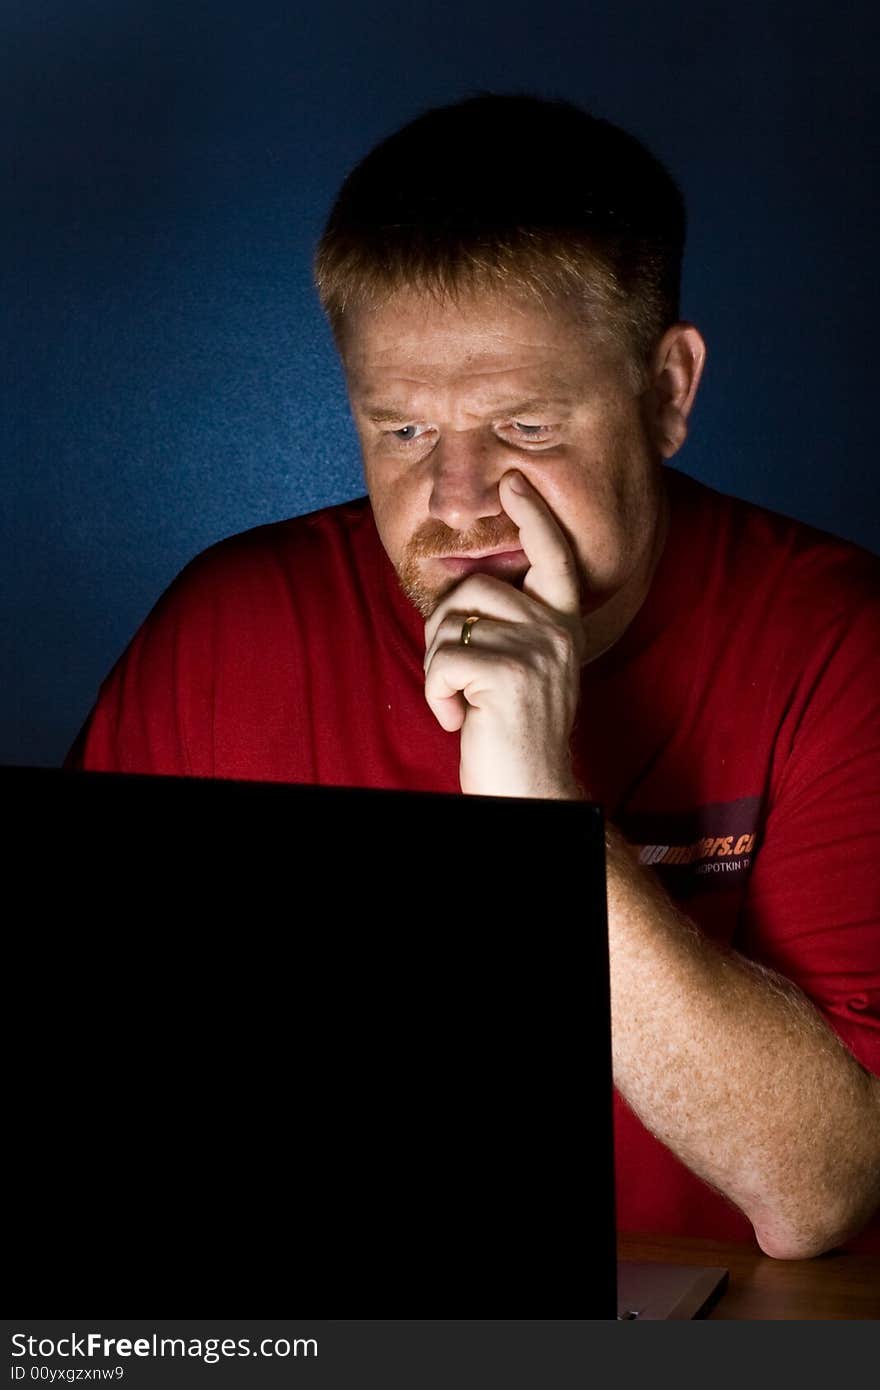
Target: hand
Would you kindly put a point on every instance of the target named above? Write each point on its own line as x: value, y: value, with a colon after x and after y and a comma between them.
x: 513, y: 691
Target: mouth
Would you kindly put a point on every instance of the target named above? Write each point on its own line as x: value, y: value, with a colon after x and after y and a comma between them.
x: 501, y: 563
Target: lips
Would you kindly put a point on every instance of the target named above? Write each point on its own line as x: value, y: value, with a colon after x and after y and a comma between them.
x: 503, y: 564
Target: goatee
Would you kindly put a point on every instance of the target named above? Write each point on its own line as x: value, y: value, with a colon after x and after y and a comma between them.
x: 434, y: 540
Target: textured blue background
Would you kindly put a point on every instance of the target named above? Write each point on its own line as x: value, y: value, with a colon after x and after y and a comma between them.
x: 167, y: 378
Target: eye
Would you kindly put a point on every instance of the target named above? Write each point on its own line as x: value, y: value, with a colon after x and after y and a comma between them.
x: 407, y: 433
x: 538, y: 434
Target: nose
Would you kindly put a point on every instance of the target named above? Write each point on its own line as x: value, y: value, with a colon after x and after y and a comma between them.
x: 465, y: 472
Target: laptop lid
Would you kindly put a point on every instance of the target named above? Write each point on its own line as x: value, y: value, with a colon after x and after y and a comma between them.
x: 367, y: 1032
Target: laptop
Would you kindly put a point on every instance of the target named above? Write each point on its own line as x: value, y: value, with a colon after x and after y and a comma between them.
x: 362, y: 1032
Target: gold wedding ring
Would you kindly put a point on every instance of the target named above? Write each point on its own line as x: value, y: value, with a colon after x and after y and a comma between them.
x: 466, y: 629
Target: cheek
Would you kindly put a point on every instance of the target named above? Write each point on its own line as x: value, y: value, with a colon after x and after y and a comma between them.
x: 575, y: 500
x: 396, y: 509
x: 594, y: 511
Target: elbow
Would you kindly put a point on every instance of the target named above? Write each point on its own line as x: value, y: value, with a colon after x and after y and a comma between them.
x: 790, y: 1246
x: 821, y: 1217
x: 835, y: 1197
x: 782, y: 1240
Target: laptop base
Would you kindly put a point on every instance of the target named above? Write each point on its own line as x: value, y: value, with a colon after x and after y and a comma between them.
x: 649, y: 1292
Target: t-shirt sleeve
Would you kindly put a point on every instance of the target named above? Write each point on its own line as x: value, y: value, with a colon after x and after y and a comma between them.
x: 153, y: 713
x: 812, y: 906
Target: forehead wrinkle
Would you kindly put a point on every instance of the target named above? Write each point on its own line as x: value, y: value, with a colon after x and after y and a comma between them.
x: 459, y: 374
x: 429, y: 356
x: 540, y: 388
x: 410, y: 341
x: 385, y: 414
x: 453, y: 348
x: 446, y: 403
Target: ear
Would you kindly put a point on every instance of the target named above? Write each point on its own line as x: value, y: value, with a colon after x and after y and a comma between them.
x: 674, y: 375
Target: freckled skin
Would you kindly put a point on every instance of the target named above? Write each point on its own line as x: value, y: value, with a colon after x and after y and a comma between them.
x: 450, y: 368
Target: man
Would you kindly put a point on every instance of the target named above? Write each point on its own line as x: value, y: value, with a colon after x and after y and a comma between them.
x: 531, y: 604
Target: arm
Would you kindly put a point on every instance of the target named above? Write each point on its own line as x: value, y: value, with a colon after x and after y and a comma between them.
x: 795, y: 1144
x: 157, y: 689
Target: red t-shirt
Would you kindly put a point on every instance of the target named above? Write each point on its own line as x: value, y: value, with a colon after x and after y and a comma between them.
x: 732, y: 733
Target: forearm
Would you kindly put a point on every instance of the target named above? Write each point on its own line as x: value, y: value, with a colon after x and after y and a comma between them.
x: 737, y: 1073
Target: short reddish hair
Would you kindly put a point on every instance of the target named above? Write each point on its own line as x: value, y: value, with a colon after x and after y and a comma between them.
x: 512, y: 193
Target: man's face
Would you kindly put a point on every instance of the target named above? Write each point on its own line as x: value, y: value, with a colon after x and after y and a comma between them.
x: 449, y: 397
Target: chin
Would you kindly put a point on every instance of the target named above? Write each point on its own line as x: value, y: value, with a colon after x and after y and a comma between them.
x: 422, y: 598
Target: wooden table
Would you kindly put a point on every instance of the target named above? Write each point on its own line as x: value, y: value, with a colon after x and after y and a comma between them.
x: 832, y: 1286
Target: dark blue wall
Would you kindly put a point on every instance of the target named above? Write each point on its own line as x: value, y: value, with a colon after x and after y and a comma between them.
x: 167, y: 378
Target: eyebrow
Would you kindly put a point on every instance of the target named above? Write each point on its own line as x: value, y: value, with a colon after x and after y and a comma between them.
x: 383, y: 414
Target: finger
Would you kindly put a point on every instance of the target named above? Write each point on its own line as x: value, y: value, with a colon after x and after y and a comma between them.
x: 448, y: 710
x: 454, y: 682
x: 495, y: 636
x: 480, y: 595
x: 553, y: 576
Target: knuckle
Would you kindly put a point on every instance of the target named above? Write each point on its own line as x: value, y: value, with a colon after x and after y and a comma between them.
x: 442, y: 651
x: 560, y: 641
x: 517, y: 674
